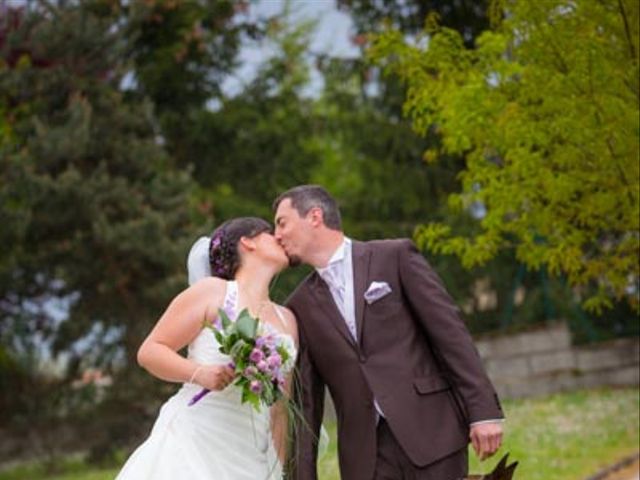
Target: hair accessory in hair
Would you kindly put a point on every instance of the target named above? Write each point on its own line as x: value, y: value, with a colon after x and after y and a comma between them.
x: 218, y: 254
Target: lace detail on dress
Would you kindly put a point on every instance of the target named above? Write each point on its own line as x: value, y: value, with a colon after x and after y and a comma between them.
x: 230, y: 303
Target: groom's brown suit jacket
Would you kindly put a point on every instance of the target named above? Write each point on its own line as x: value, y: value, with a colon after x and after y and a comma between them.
x: 414, y: 356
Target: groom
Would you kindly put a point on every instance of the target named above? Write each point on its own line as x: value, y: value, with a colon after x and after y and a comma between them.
x: 379, y: 330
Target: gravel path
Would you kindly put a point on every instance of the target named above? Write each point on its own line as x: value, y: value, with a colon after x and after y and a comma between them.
x: 625, y: 469
x: 630, y: 472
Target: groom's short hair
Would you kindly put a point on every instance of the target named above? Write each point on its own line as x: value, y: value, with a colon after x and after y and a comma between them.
x: 305, y: 197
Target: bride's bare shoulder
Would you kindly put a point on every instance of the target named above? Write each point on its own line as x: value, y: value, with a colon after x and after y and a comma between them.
x: 212, y: 288
x: 210, y: 283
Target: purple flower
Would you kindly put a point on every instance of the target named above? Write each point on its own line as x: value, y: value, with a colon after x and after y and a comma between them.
x: 231, y: 365
x: 256, y: 386
x: 263, y: 366
x: 274, y: 360
x: 256, y: 355
x: 259, y: 342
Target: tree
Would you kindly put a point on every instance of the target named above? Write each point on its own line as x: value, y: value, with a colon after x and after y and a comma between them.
x: 180, y: 53
x: 95, y: 221
x: 545, y: 111
x: 466, y: 16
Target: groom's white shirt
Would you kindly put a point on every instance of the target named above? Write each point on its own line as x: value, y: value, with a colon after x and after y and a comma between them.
x: 338, y: 275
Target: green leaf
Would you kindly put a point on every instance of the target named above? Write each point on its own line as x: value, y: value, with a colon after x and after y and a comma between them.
x: 246, y: 325
x: 219, y: 337
x: 237, y: 348
x: 224, y: 318
x: 284, y: 354
x: 269, y: 393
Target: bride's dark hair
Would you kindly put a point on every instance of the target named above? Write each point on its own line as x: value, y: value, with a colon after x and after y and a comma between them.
x: 224, y: 256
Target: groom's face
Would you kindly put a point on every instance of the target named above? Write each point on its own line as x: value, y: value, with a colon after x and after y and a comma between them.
x: 293, y: 232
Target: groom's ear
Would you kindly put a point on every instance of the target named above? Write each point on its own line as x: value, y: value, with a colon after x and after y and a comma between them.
x: 316, y: 216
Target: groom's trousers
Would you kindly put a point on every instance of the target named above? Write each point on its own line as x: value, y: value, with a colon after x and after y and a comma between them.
x: 393, y: 464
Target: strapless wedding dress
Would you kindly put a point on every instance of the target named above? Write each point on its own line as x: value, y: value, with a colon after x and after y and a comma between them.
x: 218, y: 438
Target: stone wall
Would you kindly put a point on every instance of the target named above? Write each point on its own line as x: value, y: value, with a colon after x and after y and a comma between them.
x: 544, y: 361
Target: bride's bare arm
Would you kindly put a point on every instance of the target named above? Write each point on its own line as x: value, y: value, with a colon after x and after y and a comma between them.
x: 178, y: 326
x: 279, y: 411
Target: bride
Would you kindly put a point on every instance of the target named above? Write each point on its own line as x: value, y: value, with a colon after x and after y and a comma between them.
x: 218, y: 437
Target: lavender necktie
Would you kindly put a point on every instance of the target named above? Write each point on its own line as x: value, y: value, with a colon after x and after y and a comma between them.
x: 333, y: 276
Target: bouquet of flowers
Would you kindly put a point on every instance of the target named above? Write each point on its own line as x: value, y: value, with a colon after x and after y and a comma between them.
x: 260, y: 359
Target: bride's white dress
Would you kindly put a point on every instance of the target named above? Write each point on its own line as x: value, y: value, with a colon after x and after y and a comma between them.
x: 218, y: 438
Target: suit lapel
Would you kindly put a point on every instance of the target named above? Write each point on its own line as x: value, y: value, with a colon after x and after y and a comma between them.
x: 361, y: 257
x: 325, y: 300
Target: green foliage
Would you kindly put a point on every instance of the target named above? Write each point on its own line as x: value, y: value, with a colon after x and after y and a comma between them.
x: 466, y: 16
x: 95, y: 223
x: 92, y: 209
x: 368, y: 160
x: 545, y: 111
x: 249, y: 148
x: 180, y: 52
x: 243, y: 329
x: 253, y: 146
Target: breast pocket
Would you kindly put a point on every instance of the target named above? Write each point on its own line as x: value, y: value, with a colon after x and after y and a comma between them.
x: 388, y: 305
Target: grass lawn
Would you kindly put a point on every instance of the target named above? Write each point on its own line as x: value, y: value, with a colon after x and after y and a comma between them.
x: 562, y: 437
x: 569, y: 436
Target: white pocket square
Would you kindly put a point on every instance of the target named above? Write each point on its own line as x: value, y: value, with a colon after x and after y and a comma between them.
x: 376, y: 291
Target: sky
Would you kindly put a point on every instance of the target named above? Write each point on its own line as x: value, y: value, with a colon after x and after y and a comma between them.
x: 334, y: 26
x: 332, y: 35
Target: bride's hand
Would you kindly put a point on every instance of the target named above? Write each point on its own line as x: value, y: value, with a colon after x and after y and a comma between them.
x: 214, y: 377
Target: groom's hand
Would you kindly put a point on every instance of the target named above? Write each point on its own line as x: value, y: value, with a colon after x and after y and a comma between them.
x: 486, y: 438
